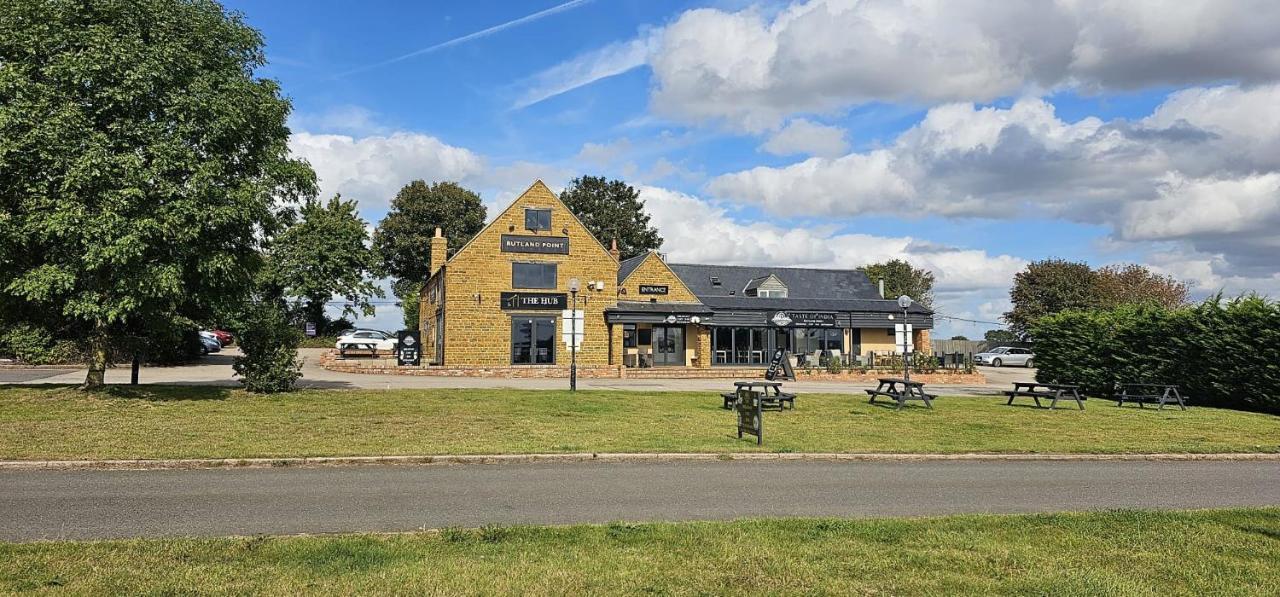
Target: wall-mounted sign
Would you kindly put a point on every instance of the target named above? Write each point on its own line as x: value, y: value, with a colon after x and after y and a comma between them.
x: 653, y: 289
x: 520, y: 243
x: 534, y: 300
x: 683, y: 319
x: 803, y: 319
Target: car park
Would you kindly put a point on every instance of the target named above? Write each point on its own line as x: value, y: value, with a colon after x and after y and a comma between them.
x: 1005, y: 355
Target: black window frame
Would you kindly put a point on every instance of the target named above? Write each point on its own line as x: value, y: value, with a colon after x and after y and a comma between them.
x: 515, y: 283
x: 536, y: 325
x: 536, y: 225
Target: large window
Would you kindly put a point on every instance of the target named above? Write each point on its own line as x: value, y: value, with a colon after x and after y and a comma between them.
x: 754, y: 346
x: 537, y: 219
x: 533, y: 340
x: 533, y: 275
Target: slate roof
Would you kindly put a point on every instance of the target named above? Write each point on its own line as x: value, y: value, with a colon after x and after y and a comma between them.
x: 751, y: 303
x: 801, y: 283
x: 626, y: 266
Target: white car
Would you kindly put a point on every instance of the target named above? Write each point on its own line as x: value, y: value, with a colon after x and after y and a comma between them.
x: 1005, y: 355
x: 367, y: 340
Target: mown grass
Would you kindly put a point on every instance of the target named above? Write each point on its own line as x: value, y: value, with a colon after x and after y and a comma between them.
x: 1220, y: 552
x: 208, y: 422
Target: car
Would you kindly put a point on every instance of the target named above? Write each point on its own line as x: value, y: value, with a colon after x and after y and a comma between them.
x: 378, y: 340
x: 1005, y: 355
x: 209, y: 343
x: 224, y: 337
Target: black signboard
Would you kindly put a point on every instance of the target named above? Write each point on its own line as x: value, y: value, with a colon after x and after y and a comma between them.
x: 409, y: 348
x: 803, y: 319
x: 519, y: 243
x: 781, y: 361
x: 749, y: 409
x: 534, y: 300
x: 653, y: 289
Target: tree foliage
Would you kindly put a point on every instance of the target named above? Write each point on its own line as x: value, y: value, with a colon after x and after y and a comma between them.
x: 902, y: 278
x: 1054, y: 285
x: 1220, y: 353
x: 1000, y: 336
x: 325, y: 254
x: 1132, y: 284
x: 612, y: 210
x: 403, y: 237
x: 141, y: 163
x: 269, y: 346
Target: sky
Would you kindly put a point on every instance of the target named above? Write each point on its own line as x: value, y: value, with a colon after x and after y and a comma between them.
x: 969, y: 137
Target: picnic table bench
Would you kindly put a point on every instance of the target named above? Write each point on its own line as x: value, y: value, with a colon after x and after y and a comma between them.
x: 1150, y: 392
x: 1050, y: 391
x: 771, y: 395
x: 359, y: 348
x: 910, y: 390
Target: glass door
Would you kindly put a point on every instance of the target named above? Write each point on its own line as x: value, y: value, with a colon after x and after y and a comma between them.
x: 668, y: 346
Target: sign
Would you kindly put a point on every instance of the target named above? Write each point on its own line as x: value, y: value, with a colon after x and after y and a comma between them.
x: 571, y: 328
x: 520, y: 243
x: 682, y: 319
x: 749, y: 410
x: 653, y: 289
x: 781, y: 319
x: 781, y: 360
x: 902, y: 333
x: 803, y: 319
x: 515, y: 301
x: 311, y: 329
x: 409, y: 348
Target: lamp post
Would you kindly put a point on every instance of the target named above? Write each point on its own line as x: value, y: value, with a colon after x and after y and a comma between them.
x: 573, y: 336
x: 904, y: 301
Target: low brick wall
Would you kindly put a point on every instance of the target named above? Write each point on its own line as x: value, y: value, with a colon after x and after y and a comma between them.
x: 387, y: 366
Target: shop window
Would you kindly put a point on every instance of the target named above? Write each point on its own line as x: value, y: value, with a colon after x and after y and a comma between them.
x: 533, y: 275
x: 537, y: 219
x: 533, y: 340
x: 629, y: 335
x: 644, y: 336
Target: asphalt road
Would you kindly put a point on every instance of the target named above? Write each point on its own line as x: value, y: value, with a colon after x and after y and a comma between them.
x: 106, y: 504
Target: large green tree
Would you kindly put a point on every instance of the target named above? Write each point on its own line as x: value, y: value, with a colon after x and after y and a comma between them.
x: 1131, y: 284
x: 403, y: 237
x: 1046, y: 287
x: 612, y: 210
x: 902, y: 278
x: 325, y: 254
x: 142, y: 163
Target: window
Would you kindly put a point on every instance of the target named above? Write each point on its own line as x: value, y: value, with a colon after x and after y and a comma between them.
x: 533, y: 340
x: 645, y: 336
x: 715, y: 281
x: 763, y: 293
x: 533, y: 275
x: 629, y: 335
x: 537, y: 219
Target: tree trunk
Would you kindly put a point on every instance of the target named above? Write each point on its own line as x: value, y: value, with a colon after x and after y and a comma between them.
x: 99, y: 353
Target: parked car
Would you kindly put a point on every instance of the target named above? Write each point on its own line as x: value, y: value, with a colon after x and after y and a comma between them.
x: 378, y: 340
x: 1005, y: 355
x: 224, y: 337
x: 209, y: 343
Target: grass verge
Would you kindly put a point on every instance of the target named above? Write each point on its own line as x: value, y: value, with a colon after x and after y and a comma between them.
x: 208, y: 422
x: 1109, y: 553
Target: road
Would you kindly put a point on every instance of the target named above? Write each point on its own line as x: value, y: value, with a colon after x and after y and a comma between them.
x: 106, y: 504
x: 216, y: 370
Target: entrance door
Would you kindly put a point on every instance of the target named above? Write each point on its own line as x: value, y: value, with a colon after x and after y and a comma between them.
x: 668, y: 346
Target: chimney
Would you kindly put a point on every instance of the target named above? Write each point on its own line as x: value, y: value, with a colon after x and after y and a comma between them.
x: 439, y: 251
x: 613, y: 248
x: 881, y: 281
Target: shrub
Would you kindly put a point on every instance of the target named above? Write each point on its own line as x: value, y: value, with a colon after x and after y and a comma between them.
x: 1221, y: 353
x: 270, y: 347
x: 28, y: 343
x: 834, y: 365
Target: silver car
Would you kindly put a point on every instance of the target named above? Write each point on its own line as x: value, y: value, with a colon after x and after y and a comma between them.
x: 1005, y: 355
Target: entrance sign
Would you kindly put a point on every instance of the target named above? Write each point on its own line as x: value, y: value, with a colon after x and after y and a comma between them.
x: 780, y: 367
x: 654, y: 289
x: 533, y: 300
x: 521, y: 243
x: 409, y: 348
x: 749, y: 410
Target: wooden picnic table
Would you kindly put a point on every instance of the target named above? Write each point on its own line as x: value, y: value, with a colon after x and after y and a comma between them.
x: 909, y: 390
x: 1150, y: 392
x: 359, y: 347
x: 1056, y: 391
x: 771, y: 394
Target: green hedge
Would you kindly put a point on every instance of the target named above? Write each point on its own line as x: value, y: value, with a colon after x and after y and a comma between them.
x: 1221, y: 353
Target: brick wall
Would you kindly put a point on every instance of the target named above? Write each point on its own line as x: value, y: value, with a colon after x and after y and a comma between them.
x: 653, y: 271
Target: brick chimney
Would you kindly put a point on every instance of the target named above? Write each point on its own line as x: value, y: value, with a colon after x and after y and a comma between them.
x: 613, y: 248
x: 439, y: 251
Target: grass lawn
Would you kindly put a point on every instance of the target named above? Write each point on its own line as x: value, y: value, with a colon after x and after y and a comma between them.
x: 1211, y: 552
x: 195, y: 422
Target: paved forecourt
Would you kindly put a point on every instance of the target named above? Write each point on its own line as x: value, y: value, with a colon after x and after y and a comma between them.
x: 105, y: 504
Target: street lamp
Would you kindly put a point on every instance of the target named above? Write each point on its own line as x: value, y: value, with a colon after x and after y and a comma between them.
x: 573, y: 337
x: 904, y: 301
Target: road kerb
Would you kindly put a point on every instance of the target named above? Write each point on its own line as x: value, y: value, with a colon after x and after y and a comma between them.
x: 461, y: 459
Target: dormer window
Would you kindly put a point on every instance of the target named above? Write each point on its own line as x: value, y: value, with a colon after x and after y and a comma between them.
x: 537, y: 219
x: 766, y: 287
x: 715, y: 281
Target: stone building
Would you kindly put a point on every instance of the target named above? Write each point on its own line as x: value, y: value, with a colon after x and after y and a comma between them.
x: 504, y: 300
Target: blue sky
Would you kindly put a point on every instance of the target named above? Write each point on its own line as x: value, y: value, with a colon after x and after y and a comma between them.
x: 967, y: 137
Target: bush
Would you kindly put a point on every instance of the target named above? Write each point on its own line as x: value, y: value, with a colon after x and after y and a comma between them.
x: 1221, y: 353
x: 27, y: 343
x: 270, y: 346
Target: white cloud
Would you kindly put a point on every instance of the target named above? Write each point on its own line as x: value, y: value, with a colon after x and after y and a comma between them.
x: 585, y: 69
x: 751, y: 71
x: 807, y: 137
x: 346, y: 120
